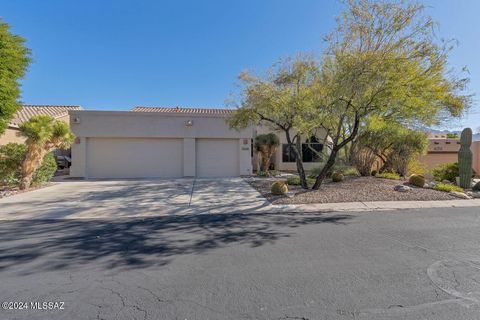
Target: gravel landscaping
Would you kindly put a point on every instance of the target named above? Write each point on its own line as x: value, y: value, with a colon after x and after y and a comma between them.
x: 11, y: 191
x: 352, y: 189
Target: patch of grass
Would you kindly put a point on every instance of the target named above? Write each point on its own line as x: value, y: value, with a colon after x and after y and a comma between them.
x: 447, y: 187
x: 388, y: 175
x: 295, y: 181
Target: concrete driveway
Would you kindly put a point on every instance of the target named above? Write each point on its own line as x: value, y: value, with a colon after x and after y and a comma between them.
x: 132, y: 198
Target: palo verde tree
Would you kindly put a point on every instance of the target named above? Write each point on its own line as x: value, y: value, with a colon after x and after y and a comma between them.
x: 278, y: 101
x: 266, y: 145
x: 383, y: 60
x: 14, y: 60
x: 43, y: 134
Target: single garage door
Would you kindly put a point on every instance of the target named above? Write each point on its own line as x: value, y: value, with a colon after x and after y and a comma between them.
x: 134, y: 157
x: 217, y: 158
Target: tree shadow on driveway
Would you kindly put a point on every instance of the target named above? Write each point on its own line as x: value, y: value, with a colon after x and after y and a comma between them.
x: 30, y: 246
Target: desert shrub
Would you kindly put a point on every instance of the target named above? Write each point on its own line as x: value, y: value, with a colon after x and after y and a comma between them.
x: 447, y: 187
x: 388, y: 175
x: 337, y: 177
x: 46, y: 170
x: 345, y: 169
x: 279, y: 188
x: 417, y: 180
x: 374, y: 173
x: 350, y: 171
x: 295, y: 181
x: 268, y: 174
x: 417, y: 167
x: 12, y: 156
x: 447, y: 171
x: 476, y: 187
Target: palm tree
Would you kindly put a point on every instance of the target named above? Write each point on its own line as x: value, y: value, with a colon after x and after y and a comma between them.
x: 266, y: 145
x: 43, y: 134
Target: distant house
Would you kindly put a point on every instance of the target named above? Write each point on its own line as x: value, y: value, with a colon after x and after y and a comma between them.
x: 445, y: 150
x: 12, y: 133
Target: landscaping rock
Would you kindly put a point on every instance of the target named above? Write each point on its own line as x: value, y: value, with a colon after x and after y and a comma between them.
x: 460, y: 195
x: 402, y: 188
x: 447, y: 182
x: 430, y: 185
x: 7, y: 193
x: 473, y: 194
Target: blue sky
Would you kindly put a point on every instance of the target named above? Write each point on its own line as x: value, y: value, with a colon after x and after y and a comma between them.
x: 116, y: 54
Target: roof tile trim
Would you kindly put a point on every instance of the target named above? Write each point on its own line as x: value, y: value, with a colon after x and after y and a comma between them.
x: 28, y: 111
x: 182, y: 110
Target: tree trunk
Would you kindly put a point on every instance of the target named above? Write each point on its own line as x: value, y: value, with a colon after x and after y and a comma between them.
x: 32, y: 162
x: 326, y: 168
x: 298, y: 161
x: 265, y: 158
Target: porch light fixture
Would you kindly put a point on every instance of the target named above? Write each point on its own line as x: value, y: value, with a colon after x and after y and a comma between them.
x: 188, y: 123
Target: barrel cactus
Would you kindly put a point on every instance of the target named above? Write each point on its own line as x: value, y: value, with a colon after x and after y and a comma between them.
x: 465, y: 159
x: 417, y: 180
x: 279, y: 188
x: 337, y: 177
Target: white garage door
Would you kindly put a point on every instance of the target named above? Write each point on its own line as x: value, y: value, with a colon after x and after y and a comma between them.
x: 134, y: 158
x: 217, y: 158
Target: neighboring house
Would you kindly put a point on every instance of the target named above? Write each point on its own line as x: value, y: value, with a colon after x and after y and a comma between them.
x: 12, y: 133
x: 445, y: 150
x: 167, y: 142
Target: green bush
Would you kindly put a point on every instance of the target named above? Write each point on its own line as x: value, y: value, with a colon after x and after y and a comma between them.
x: 447, y: 187
x: 476, y: 187
x: 388, y: 175
x: 374, y: 172
x: 337, y: 177
x: 279, y: 188
x: 11, y: 158
x: 295, y: 181
x: 350, y: 171
x: 268, y: 174
x: 46, y: 170
x: 417, y: 180
x: 342, y: 168
x: 447, y: 171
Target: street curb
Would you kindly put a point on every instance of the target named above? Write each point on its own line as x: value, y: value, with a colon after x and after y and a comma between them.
x: 374, y: 206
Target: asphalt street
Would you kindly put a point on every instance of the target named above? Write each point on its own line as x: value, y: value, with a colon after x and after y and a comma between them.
x: 407, y: 264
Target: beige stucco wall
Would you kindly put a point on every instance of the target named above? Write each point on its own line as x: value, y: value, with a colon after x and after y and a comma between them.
x: 476, y: 157
x: 431, y: 160
x: 124, y: 124
x: 11, y: 135
x: 277, y: 158
x: 443, y: 152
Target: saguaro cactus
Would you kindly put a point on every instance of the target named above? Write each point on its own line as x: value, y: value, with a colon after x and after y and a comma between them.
x: 465, y: 159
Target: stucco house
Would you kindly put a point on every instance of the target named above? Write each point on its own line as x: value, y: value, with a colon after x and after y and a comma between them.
x: 12, y: 133
x: 442, y: 149
x: 167, y: 142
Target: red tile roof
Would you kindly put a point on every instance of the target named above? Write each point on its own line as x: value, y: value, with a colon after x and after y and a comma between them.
x: 182, y: 110
x: 28, y: 111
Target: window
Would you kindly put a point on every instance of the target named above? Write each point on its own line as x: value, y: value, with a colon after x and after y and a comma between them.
x: 287, y: 153
x: 308, y: 155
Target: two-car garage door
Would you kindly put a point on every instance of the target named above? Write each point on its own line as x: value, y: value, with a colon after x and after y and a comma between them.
x: 159, y: 157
